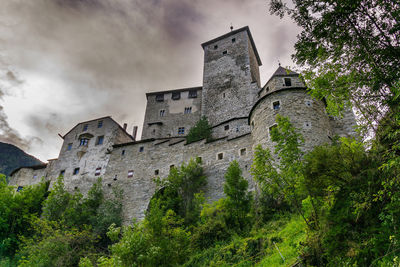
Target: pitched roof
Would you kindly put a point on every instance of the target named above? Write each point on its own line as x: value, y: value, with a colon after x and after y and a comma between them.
x: 281, y: 71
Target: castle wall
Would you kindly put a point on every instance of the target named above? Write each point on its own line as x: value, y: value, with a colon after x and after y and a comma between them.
x: 27, y: 176
x: 159, y: 124
x: 231, y: 128
x: 160, y: 156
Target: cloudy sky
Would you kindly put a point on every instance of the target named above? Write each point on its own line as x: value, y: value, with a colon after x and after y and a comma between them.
x: 66, y: 61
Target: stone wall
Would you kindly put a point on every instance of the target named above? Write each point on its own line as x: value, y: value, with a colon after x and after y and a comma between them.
x: 27, y: 176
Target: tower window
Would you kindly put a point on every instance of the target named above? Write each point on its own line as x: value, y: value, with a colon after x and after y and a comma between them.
x: 62, y: 172
x: 223, y: 95
x: 226, y: 127
x: 225, y: 52
x: 181, y: 130
x: 220, y: 156
x: 69, y: 147
x: 100, y: 140
x: 130, y: 173
x: 188, y: 110
x: 76, y: 171
x: 176, y: 96
x: 100, y: 124
x: 242, y: 152
x: 156, y: 172
x: 288, y: 82
x: 85, y: 127
x: 97, y: 172
x: 141, y: 149
x: 123, y: 152
x: 160, y: 97
x: 162, y: 113
x: 84, y: 142
x: 233, y: 40
x: 267, y: 89
x: 276, y: 105
x: 215, y: 47
x: 193, y: 94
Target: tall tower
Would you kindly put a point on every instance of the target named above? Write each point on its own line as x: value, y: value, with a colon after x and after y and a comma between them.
x: 231, y: 77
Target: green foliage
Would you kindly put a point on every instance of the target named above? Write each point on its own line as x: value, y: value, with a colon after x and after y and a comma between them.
x: 16, y: 211
x: 201, y: 130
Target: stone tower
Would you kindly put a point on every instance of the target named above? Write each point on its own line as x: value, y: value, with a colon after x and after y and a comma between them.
x: 231, y: 76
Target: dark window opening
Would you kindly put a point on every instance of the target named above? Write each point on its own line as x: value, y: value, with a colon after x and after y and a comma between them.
x: 276, y: 105
x: 188, y: 110
x: 225, y: 52
x: 243, y: 152
x: 226, y: 127
x: 97, y: 172
x: 100, y: 124
x: 109, y: 185
x: 267, y: 89
x: 181, y: 130
x: 100, y: 140
x: 76, y: 171
x: 130, y: 173
x: 84, y: 142
x: 69, y: 147
x: 156, y: 172
x: 288, y: 82
x: 115, y: 178
x: 75, y: 188
x: 215, y: 46
x: 62, y: 172
x: 193, y: 94
x: 141, y: 149
x: 171, y: 166
x: 162, y: 113
x: 160, y: 97
x: 220, y: 156
x: 233, y: 40
x: 223, y: 95
x: 176, y: 96
x: 237, y: 129
x: 85, y: 127
x: 123, y: 152
x: 19, y: 189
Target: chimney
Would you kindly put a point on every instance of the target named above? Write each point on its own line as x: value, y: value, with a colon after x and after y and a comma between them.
x: 125, y: 125
x: 134, y: 132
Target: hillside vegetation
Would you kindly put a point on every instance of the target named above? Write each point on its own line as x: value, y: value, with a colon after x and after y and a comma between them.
x: 11, y: 158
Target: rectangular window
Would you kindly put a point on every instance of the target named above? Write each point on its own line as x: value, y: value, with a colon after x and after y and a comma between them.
x: 276, y: 105
x: 100, y: 140
x: 220, y: 156
x: 188, y: 110
x: 100, y: 124
x: 193, y: 94
x: 233, y: 40
x: 181, y: 130
x: 85, y: 127
x: 84, y: 142
x: 69, y: 147
x: 162, y: 113
x: 97, y: 172
x: 288, y: 82
x: 243, y: 152
x: 35, y: 176
x: 123, y: 152
x: 62, y: 172
x: 226, y: 127
x: 141, y: 149
x: 215, y: 46
x: 130, y: 173
x: 76, y: 171
x: 225, y: 52
x: 156, y: 172
x: 176, y: 96
x: 171, y: 166
x: 160, y: 97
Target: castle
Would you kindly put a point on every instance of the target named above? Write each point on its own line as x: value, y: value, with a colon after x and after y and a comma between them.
x: 240, y: 111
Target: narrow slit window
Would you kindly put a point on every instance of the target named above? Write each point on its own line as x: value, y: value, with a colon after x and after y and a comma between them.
x: 162, y: 113
x: 123, y: 152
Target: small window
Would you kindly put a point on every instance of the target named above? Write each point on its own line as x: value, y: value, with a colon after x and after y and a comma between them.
x: 223, y: 95
x: 288, y: 82
x: 308, y: 103
x: 97, y: 172
x: 188, y: 110
x: 176, y: 96
x: 130, y: 173
x: 162, y: 113
x: 276, y: 105
x: 156, y: 172
x: 141, y: 149
x: 243, y: 152
x: 19, y: 189
x: 237, y: 129
x: 69, y: 147
x: 271, y: 128
x: 160, y: 97
x: 171, y: 166
x: 199, y: 159
x: 85, y: 127
x: 215, y: 46
x: 220, y: 156
x: 252, y: 124
x: 233, y: 40
x: 62, y: 172
x: 76, y: 171
x: 193, y: 94
x: 84, y: 142
x: 226, y: 127
x: 225, y: 52
x: 181, y: 130
x: 123, y: 152
x: 100, y: 124
x: 100, y: 140
x: 35, y: 176
x: 267, y: 89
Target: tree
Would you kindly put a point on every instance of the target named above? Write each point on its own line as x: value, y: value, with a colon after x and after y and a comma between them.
x: 238, y: 199
x: 350, y: 52
x: 202, y: 130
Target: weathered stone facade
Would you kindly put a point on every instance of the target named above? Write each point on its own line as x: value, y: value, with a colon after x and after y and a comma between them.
x: 240, y: 112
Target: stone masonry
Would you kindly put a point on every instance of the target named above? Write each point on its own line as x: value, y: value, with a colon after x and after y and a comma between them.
x: 240, y: 111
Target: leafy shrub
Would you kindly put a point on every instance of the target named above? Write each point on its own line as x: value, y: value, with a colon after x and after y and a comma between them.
x: 201, y: 130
